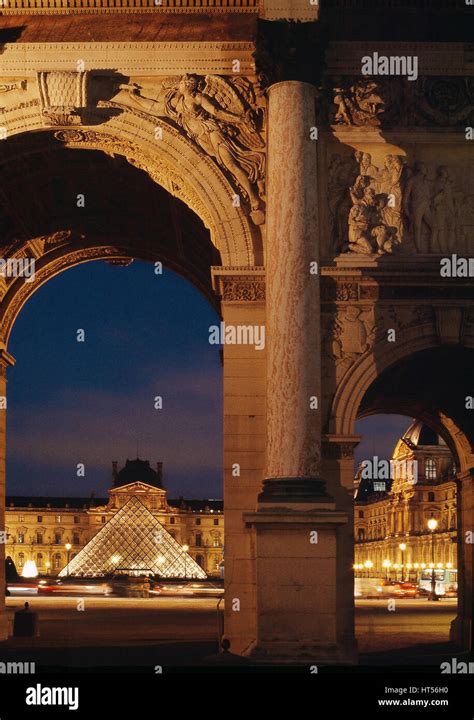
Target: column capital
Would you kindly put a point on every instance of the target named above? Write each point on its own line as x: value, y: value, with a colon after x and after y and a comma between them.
x: 339, y: 447
x: 239, y: 284
x: 289, y: 50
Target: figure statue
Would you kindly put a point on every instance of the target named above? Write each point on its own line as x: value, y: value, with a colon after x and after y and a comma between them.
x: 417, y: 203
x: 213, y: 115
x: 360, y: 104
x: 444, y: 213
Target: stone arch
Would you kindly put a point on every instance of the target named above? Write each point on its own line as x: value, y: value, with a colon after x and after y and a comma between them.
x: 383, y: 356
x: 174, y: 162
x: 66, y: 257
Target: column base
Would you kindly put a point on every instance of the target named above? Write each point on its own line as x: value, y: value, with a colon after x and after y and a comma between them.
x: 304, y: 614
x: 294, y: 490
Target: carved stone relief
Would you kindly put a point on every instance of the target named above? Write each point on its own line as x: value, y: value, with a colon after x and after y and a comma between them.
x: 394, y: 208
x: 441, y: 101
x: 219, y: 115
x: 62, y: 96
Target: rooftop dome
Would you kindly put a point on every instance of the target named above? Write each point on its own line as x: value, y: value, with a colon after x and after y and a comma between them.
x: 419, y: 434
x: 137, y: 471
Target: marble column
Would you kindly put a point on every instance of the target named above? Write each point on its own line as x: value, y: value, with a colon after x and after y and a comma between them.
x: 292, y: 299
x: 303, y: 535
x: 5, y: 360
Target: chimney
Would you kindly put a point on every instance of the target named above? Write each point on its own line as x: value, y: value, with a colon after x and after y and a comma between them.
x: 159, y: 470
x: 114, y: 470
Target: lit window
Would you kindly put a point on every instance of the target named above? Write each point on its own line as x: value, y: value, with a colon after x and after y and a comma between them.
x: 57, y: 561
x: 430, y: 469
x: 21, y: 538
x: 21, y: 518
x: 58, y: 519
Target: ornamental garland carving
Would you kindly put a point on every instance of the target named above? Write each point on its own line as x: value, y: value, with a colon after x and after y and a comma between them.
x: 244, y: 290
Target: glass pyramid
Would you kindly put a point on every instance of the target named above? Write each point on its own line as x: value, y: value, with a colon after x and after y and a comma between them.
x: 133, y: 542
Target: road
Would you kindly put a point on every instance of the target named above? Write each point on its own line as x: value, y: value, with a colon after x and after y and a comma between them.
x: 117, y: 631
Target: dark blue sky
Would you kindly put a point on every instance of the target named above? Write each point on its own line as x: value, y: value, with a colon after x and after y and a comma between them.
x: 91, y: 402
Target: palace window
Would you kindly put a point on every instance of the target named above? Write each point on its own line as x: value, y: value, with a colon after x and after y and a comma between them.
x: 198, y: 521
x: 76, y: 539
x: 39, y: 518
x: 216, y: 521
x: 21, y: 518
x: 361, y: 513
x: 172, y: 520
x: 57, y: 538
x: 21, y: 559
x: 103, y: 519
x: 431, y: 497
x: 39, y: 560
x: 21, y: 538
x: 77, y: 519
x: 216, y: 540
x: 200, y: 560
x: 361, y: 533
x: 198, y: 540
x: 57, y: 561
x: 58, y: 519
x: 39, y: 538
x: 430, y: 469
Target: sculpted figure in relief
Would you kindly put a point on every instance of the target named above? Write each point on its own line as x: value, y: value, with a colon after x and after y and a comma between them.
x: 217, y: 115
x: 212, y: 114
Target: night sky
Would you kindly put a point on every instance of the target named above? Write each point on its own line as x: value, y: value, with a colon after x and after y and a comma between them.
x: 91, y: 402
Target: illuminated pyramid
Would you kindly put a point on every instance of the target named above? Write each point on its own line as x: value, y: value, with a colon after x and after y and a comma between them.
x: 133, y: 542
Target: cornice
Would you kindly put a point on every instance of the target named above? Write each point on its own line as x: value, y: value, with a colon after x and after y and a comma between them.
x: 160, y: 58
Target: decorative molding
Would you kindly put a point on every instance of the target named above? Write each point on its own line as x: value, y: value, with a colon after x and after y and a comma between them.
x: 239, y: 284
x: 65, y: 7
x: 62, y: 96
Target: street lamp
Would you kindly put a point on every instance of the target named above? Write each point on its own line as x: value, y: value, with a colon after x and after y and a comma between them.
x: 185, y: 548
x: 402, y: 547
x: 68, y: 547
x: 432, y: 525
x: 387, y: 565
x: 368, y: 564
